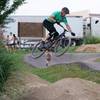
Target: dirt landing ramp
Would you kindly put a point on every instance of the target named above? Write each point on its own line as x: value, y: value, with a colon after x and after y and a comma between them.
x: 89, y: 48
x: 66, y: 89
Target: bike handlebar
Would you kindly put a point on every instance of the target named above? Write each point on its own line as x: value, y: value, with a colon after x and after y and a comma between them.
x: 63, y: 27
x: 73, y: 34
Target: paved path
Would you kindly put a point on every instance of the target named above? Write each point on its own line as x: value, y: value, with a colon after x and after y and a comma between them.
x: 85, y: 59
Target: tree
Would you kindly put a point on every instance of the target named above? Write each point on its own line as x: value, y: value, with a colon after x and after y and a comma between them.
x: 6, y: 8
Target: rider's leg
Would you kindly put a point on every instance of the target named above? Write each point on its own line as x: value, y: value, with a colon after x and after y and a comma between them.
x: 52, y: 31
x: 56, y: 34
x: 50, y: 27
x: 48, y: 55
x: 50, y: 36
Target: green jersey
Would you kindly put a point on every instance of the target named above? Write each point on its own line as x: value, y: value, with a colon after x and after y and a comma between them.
x: 58, y: 17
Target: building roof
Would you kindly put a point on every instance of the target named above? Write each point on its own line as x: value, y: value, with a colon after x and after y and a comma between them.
x: 84, y: 13
x: 96, y: 15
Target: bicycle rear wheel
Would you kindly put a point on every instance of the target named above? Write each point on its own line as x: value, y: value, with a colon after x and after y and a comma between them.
x: 62, y: 46
x: 37, y: 51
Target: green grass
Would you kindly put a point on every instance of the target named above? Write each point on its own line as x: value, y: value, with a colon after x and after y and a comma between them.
x: 6, y: 65
x: 19, y: 64
x: 97, y: 60
x: 15, y: 82
x: 92, y: 40
x: 51, y: 74
x: 72, y: 49
x: 57, y: 72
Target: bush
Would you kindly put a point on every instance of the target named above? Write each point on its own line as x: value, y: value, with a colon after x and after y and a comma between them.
x: 92, y: 40
x: 5, y: 65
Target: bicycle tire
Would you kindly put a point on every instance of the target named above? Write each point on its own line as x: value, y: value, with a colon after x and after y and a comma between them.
x: 36, y: 52
x: 62, y: 47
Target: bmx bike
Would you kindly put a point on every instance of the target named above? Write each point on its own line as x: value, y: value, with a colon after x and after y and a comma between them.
x: 59, y: 45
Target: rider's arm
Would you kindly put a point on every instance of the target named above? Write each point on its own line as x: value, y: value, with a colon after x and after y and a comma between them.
x: 67, y: 25
x: 52, y: 18
x: 69, y: 28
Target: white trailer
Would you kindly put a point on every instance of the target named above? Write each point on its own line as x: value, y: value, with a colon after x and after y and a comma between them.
x: 30, y: 27
x: 92, y: 25
x: 95, y: 26
x: 14, y: 26
x: 76, y: 24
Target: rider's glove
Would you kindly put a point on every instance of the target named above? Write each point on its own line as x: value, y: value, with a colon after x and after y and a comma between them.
x: 73, y: 34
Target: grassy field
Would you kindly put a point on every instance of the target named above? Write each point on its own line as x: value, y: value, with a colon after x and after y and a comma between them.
x: 97, y: 60
x: 92, y: 40
x: 72, y: 49
x: 15, y: 83
x: 56, y: 72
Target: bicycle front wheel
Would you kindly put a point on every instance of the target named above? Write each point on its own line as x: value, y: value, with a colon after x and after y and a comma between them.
x: 37, y: 51
x: 62, y: 46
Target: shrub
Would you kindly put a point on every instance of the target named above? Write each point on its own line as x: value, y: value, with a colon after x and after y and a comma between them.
x: 5, y: 65
x: 92, y: 40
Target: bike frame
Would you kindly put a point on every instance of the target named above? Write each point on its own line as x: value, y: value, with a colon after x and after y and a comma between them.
x: 53, y: 42
x: 60, y: 36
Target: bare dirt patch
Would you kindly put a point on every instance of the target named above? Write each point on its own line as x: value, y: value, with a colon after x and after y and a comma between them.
x: 65, y: 89
x: 21, y: 83
x: 34, y: 88
x: 89, y: 48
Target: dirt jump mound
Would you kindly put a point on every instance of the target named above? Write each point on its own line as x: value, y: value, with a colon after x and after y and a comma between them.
x: 89, y: 48
x: 66, y: 89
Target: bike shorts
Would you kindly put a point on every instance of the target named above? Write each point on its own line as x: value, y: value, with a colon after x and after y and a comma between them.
x: 50, y: 27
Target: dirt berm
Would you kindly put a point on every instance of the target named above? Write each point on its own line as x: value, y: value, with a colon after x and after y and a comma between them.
x: 65, y: 89
x: 89, y: 48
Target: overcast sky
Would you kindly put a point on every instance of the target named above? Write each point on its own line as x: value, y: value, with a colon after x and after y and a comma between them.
x: 46, y: 7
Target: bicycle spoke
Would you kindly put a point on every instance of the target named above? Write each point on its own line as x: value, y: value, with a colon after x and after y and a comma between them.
x: 62, y: 46
x: 37, y: 51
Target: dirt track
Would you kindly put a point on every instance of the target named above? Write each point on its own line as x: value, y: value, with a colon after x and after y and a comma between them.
x: 65, y: 89
x: 85, y: 59
x: 68, y: 88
